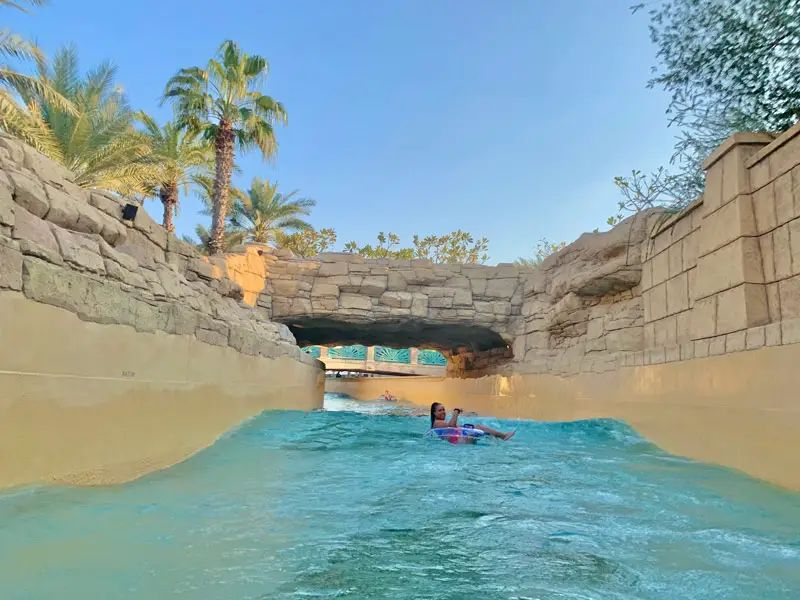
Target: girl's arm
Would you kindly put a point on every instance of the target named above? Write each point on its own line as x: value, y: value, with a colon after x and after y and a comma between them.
x: 454, y: 418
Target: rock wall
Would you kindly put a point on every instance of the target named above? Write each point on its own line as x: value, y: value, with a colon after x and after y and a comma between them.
x: 340, y: 298
x: 122, y: 350
x: 68, y: 247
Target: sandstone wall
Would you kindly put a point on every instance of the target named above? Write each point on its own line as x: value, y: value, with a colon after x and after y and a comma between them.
x: 346, y: 299
x: 686, y: 326
x: 188, y: 343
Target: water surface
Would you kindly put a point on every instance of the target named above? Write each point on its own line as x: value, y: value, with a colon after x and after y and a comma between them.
x: 353, y: 503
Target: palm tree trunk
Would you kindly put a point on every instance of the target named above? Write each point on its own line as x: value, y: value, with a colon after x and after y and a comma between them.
x: 223, y: 147
x: 169, y: 198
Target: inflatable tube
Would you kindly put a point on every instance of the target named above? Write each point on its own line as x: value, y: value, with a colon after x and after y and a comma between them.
x: 456, y: 435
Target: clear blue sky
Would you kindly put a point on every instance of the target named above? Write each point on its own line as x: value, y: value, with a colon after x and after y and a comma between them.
x: 506, y: 118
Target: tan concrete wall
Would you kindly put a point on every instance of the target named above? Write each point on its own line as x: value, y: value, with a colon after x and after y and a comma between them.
x: 85, y: 403
x: 738, y: 410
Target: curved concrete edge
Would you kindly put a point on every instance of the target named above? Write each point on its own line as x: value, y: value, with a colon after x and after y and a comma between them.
x: 88, y: 403
x: 738, y: 410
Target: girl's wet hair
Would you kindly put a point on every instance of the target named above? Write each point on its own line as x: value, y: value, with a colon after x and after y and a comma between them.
x: 434, y: 406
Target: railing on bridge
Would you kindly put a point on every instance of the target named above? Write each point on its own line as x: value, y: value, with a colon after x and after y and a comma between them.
x: 431, y: 357
x: 379, y: 354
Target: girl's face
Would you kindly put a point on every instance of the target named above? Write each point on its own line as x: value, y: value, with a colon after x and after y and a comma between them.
x: 440, y: 413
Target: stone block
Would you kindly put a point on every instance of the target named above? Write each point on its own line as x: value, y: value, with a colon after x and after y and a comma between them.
x: 773, y: 302
x: 712, y: 194
x: 730, y: 222
x: 6, y: 206
x: 53, y: 285
x: 462, y: 297
x: 107, y: 203
x: 440, y: 302
x: 647, y: 275
x: 354, y: 301
x: 764, y: 209
x: 666, y: 331
x: 660, y: 266
x: 759, y: 174
x: 10, y: 265
x: 45, y: 167
x: 772, y: 334
x: 501, y: 288
x: 655, y: 356
x: 765, y: 243
x: 80, y: 251
x: 324, y: 290
x: 704, y: 318
x: 687, y: 351
x: 684, y: 326
x: 690, y: 250
x: 790, y: 331
x: 373, y: 285
x: 333, y: 268
x: 691, y: 279
x: 736, y: 342
x: 785, y: 158
x: 397, y: 299
x: 396, y: 282
x: 716, y: 346
x: 478, y: 287
x: 789, y: 290
x: 701, y: 348
x: 784, y: 199
x: 419, y: 305
x: 33, y: 229
x: 324, y: 304
x: 663, y: 240
x: 678, y: 294
x: 755, y: 338
x: 735, y: 175
x: 675, y: 259
x: 782, y: 252
x: 29, y: 194
x: 658, y: 302
x: 738, y: 262
x: 741, y: 307
x: 171, y: 283
x: 794, y: 244
x: 63, y: 209
x: 672, y: 354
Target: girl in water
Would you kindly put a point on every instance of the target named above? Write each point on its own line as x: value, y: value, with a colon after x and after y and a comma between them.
x: 439, y: 416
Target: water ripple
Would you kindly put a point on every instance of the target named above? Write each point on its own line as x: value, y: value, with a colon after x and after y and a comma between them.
x: 354, y: 503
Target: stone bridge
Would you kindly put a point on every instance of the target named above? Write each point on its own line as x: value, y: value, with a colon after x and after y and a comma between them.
x: 341, y: 298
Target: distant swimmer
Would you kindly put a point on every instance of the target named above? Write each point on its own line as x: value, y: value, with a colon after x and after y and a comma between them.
x: 388, y: 397
x: 439, y: 420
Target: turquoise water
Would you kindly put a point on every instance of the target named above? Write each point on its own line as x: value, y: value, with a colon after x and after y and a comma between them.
x: 357, y: 505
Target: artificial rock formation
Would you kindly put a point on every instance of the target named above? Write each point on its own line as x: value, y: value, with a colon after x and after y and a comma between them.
x: 340, y: 298
x: 68, y: 247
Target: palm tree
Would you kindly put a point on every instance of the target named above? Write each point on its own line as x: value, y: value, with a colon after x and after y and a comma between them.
x: 180, y: 154
x: 230, y: 239
x: 264, y: 213
x: 224, y: 101
x: 97, y: 142
x: 204, y: 190
x: 14, y: 119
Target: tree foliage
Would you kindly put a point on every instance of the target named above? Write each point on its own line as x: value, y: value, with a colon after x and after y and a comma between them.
x: 728, y: 65
x: 544, y: 248
x: 224, y: 102
x: 180, y: 155
x: 264, y: 212
x: 308, y: 242
x: 457, y: 247
x: 97, y: 140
